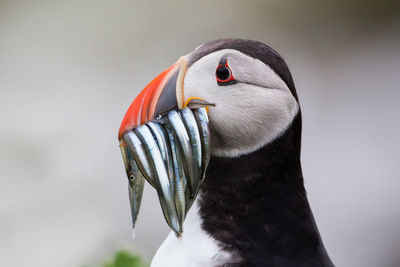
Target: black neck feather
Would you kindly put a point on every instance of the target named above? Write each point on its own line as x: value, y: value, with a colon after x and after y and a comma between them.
x: 257, y: 207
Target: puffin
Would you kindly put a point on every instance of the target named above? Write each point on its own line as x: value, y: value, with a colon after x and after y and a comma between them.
x: 252, y: 208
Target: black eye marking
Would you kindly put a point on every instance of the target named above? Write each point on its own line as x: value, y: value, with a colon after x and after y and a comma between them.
x: 224, y: 74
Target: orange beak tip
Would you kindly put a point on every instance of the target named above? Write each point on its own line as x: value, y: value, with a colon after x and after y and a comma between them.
x: 159, y: 96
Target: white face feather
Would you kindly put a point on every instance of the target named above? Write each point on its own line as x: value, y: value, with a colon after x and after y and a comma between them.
x: 247, y: 115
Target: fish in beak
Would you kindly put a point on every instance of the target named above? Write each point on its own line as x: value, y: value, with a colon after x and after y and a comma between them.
x: 165, y: 140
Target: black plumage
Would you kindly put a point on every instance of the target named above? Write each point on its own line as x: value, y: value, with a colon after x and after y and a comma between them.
x: 256, y: 205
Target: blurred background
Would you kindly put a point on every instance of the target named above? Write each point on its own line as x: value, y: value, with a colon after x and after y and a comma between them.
x: 70, y: 69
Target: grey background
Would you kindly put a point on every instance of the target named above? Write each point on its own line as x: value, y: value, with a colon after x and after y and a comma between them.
x: 70, y: 69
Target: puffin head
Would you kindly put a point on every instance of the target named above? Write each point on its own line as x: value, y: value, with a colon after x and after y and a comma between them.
x: 245, y: 85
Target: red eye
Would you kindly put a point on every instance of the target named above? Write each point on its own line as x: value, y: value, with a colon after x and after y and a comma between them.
x: 224, y: 74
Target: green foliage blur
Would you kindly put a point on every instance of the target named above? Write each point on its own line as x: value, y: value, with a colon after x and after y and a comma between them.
x: 126, y: 259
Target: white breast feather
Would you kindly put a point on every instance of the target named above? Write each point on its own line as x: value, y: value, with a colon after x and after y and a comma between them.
x: 195, y: 248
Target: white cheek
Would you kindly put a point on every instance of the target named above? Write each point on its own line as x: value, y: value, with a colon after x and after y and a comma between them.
x: 256, y: 120
x: 246, y: 117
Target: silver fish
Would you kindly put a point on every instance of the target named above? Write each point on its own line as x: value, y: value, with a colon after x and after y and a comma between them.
x: 136, y: 183
x: 156, y: 130
x: 172, y: 154
x: 159, y: 172
x: 192, y: 129
x: 183, y: 142
x: 179, y: 178
x: 139, y: 154
x: 163, y: 144
x: 136, y: 186
x: 204, y: 128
